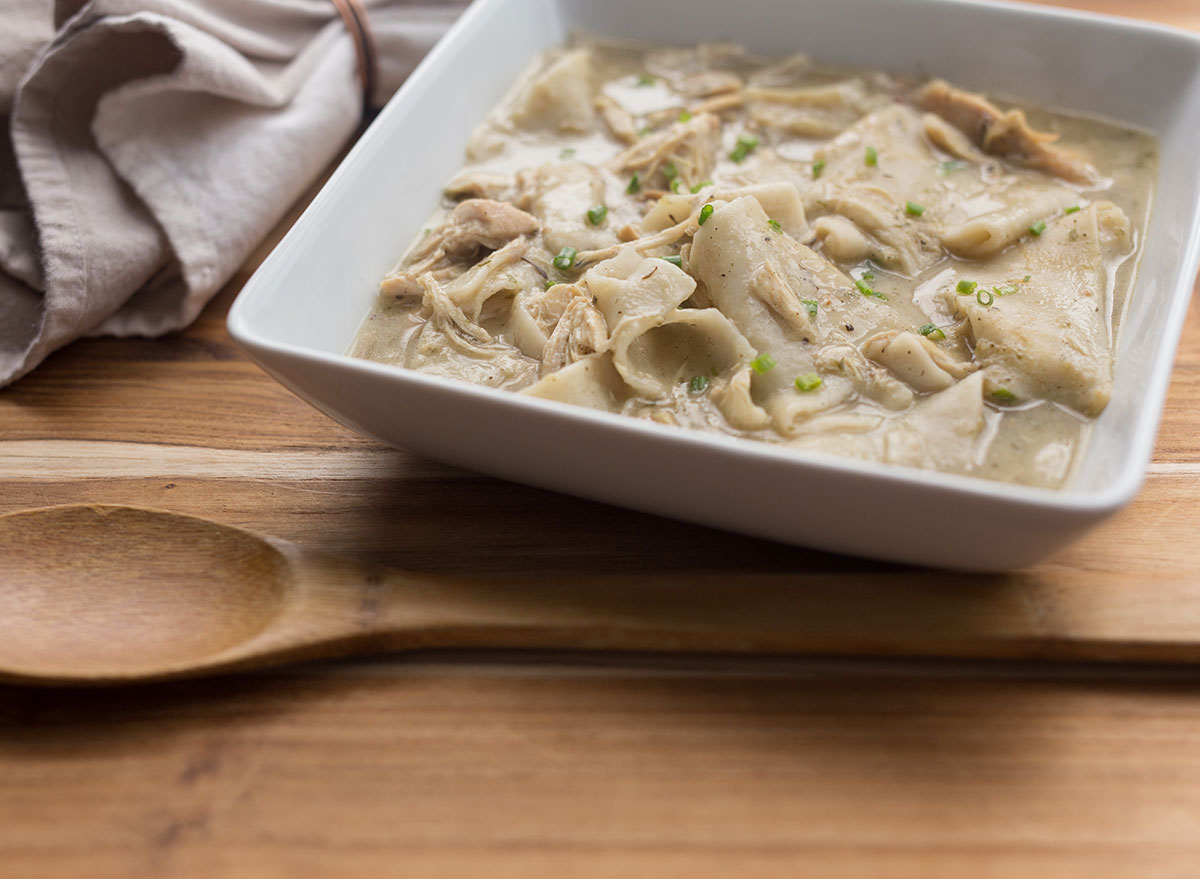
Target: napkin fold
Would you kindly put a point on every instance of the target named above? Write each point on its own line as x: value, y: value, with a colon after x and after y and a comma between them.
x: 149, y: 146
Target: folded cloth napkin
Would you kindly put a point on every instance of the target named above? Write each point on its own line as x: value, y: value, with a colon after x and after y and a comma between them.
x: 149, y: 145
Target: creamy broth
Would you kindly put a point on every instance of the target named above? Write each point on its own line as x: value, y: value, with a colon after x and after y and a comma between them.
x: 829, y: 260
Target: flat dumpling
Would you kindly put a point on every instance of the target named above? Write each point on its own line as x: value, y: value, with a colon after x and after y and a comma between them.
x: 558, y: 97
x: 565, y: 193
x: 770, y: 285
x: 654, y: 360
x: 655, y: 344
x: 1038, y: 317
x: 591, y: 382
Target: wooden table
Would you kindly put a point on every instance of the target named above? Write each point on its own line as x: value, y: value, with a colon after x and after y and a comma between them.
x: 518, y: 764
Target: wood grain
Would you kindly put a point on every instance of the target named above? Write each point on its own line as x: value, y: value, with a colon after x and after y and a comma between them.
x: 550, y: 765
x: 476, y: 767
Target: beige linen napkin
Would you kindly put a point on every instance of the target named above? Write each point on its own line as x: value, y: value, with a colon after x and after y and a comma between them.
x: 149, y: 145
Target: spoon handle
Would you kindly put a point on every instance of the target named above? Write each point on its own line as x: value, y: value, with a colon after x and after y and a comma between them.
x: 348, y: 608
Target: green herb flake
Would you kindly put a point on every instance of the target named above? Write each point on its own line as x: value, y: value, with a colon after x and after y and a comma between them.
x: 1005, y: 290
x: 871, y: 157
x: 565, y: 258
x: 646, y: 80
x: 950, y: 167
x: 698, y: 384
x: 670, y: 171
x: 763, y: 363
x: 817, y: 167
x: 745, y: 145
x: 985, y: 298
x: 932, y: 331
x: 675, y: 260
x: 810, y: 305
x: 810, y: 381
x: 685, y: 116
x: 774, y: 224
x: 701, y: 185
x: 635, y: 185
x: 1003, y: 395
x: 566, y: 152
x: 677, y: 185
x: 597, y: 214
x: 866, y: 290
x: 913, y: 209
x: 550, y: 283
x: 705, y: 213
x: 1037, y: 228
x: 644, y: 131
x: 1073, y: 209
x: 965, y: 287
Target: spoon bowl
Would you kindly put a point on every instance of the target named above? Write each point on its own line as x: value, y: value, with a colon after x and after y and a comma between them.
x: 121, y: 591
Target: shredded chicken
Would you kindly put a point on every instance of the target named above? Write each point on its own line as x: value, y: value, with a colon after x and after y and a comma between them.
x: 475, y: 226
x: 581, y: 331
x: 1003, y: 133
x: 689, y: 148
x: 620, y: 122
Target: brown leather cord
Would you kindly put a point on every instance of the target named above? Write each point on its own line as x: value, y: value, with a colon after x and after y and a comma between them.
x: 354, y: 16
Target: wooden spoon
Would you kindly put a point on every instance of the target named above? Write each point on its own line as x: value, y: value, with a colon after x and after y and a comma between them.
x: 93, y: 594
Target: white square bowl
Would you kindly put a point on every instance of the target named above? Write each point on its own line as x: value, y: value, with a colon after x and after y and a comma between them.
x: 299, y: 312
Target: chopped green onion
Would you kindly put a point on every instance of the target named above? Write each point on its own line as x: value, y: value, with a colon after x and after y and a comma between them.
x: 634, y: 186
x: 685, y: 116
x: 871, y: 157
x: 677, y: 185
x: 705, y: 213
x: 950, y: 167
x: 817, y: 167
x: 763, y: 363
x: 670, y: 171
x: 1038, y: 228
x: 644, y: 130
x: 810, y: 305
x: 675, y: 260
x: 986, y: 303
x: 745, y: 145
x: 810, y: 381
x: 698, y: 384
x: 1005, y: 290
x: 701, y: 185
x: 932, y: 331
x: 865, y: 289
x: 913, y: 209
x: 774, y: 224
x: 1003, y: 395
x: 965, y: 287
x: 1073, y: 209
x: 550, y: 283
x: 565, y: 258
x: 645, y: 79
x: 566, y: 152
x: 597, y: 214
